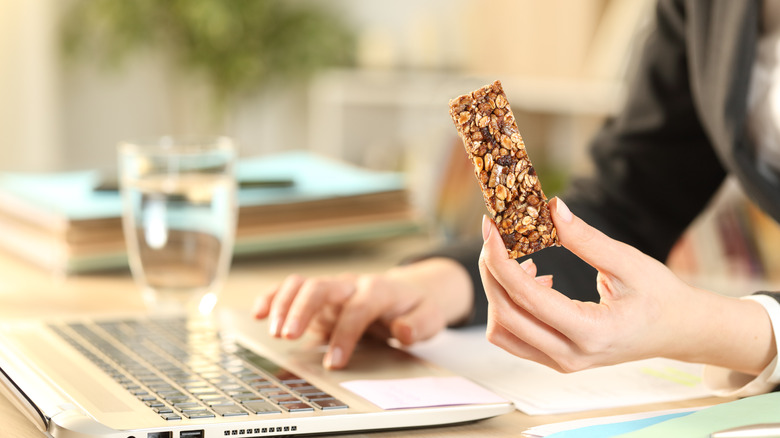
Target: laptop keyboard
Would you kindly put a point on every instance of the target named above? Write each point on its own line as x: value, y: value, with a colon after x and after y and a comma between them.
x: 184, y: 369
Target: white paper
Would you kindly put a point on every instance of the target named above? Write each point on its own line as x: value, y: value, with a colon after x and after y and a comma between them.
x: 536, y: 389
x: 422, y: 392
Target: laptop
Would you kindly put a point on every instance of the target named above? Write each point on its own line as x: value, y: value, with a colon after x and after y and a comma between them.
x: 136, y: 376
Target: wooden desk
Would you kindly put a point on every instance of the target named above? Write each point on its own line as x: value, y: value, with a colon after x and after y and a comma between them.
x: 26, y: 291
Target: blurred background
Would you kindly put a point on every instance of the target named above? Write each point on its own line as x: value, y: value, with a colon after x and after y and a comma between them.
x: 365, y: 81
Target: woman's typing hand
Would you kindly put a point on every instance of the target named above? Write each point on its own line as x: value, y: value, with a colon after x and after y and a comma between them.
x: 409, y: 303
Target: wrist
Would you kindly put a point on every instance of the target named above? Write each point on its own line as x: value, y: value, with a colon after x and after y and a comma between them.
x: 772, y: 308
x: 730, y: 333
x: 729, y: 383
x: 446, y: 281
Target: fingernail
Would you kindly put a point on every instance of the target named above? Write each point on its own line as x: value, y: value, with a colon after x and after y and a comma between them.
x: 486, y: 227
x: 526, y: 265
x: 290, y: 328
x: 545, y: 279
x: 563, y: 210
x: 259, y: 308
x: 333, y: 358
x: 405, y: 333
x: 274, y: 327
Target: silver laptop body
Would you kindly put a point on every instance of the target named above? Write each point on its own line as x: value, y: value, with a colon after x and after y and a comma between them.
x: 200, y: 378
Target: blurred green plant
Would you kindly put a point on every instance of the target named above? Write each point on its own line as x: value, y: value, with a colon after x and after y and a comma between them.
x: 239, y: 46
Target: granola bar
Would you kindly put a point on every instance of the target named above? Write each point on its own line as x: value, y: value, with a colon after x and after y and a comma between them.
x: 509, y: 183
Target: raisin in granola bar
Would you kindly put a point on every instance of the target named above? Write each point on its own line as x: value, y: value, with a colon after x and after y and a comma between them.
x: 509, y: 183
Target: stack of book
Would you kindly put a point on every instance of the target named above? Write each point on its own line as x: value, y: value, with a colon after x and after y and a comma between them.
x: 70, y: 222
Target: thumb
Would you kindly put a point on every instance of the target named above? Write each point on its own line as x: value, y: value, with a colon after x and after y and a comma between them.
x: 591, y: 245
x: 419, y: 324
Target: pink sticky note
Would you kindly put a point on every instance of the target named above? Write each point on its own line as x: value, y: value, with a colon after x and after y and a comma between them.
x: 422, y: 392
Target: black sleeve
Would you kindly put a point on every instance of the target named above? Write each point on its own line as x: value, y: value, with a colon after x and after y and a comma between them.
x: 655, y: 166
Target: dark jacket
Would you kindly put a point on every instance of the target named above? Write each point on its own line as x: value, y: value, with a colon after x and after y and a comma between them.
x: 663, y: 157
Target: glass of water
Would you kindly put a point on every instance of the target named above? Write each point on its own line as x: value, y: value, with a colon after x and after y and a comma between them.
x: 179, y: 219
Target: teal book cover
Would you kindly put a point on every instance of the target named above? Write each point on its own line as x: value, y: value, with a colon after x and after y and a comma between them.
x: 296, y: 176
x: 71, y: 221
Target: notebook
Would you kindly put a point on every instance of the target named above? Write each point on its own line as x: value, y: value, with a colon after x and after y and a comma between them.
x: 135, y: 376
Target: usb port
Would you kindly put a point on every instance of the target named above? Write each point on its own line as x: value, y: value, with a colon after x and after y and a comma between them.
x: 191, y: 434
x: 159, y: 435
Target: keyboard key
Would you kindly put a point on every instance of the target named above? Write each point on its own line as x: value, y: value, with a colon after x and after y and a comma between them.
x: 311, y: 392
x: 171, y: 394
x: 270, y: 392
x: 198, y: 414
x: 199, y: 390
x: 219, y: 402
x: 247, y: 397
x: 262, y: 407
x: 284, y: 398
x: 233, y: 389
x: 259, y: 383
x: 162, y: 386
x: 297, y: 407
x: 229, y: 410
x: 289, y: 378
x: 329, y: 403
x: 200, y: 385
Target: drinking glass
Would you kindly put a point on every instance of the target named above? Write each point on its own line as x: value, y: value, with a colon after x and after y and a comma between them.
x: 179, y: 219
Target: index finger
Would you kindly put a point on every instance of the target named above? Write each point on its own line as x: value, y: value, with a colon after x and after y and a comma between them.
x: 372, y: 297
x: 310, y: 298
